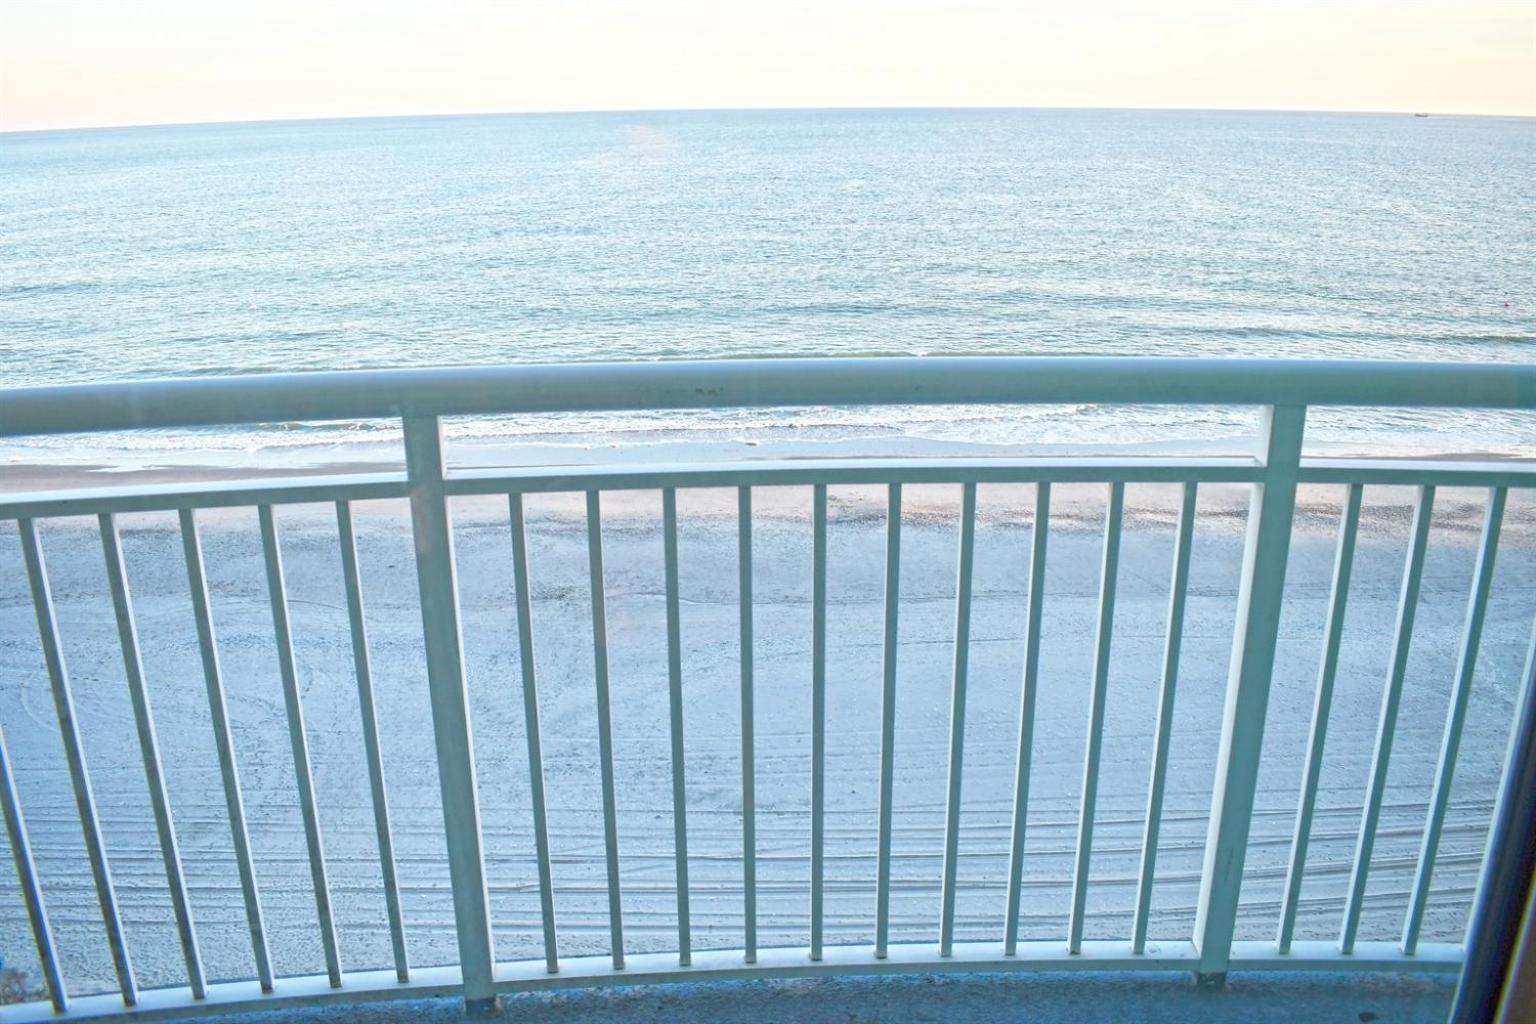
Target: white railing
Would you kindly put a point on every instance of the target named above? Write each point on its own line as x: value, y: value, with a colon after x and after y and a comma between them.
x: 1284, y: 389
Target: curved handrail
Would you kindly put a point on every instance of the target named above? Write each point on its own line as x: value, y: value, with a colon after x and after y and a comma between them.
x: 897, y: 380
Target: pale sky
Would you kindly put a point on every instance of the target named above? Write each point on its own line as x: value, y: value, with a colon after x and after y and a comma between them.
x: 115, y: 62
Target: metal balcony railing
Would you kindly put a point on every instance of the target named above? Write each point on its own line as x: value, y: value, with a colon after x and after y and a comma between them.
x: 420, y: 398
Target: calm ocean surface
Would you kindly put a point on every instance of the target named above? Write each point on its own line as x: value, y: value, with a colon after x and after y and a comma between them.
x: 404, y: 242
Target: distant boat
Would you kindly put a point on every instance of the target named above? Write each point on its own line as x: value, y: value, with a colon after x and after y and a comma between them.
x: 1420, y: 115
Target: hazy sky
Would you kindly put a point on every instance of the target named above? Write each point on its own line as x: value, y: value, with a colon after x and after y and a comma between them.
x: 107, y: 62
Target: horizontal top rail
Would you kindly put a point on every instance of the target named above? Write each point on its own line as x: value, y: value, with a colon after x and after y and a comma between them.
x: 743, y: 383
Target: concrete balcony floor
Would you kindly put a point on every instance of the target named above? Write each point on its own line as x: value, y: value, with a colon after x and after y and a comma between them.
x: 1269, y: 998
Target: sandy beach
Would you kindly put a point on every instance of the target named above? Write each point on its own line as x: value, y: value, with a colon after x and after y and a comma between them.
x: 636, y: 616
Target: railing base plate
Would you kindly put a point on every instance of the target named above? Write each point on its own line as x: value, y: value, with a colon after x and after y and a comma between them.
x: 482, y: 1009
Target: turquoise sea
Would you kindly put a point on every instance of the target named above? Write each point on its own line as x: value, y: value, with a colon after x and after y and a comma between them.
x: 217, y: 249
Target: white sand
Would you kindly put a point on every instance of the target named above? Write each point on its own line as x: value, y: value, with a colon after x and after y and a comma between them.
x: 711, y: 679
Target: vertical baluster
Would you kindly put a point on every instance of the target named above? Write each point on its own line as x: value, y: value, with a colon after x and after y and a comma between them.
x: 208, y: 649
x: 605, y: 727
x: 531, y: 729
x: 1391, y: 699
x: 818, y: 709
x: 149, y: 746
x: 432, y: 530
x: 963, y: 572
x: 748, y: 755
x: 1450, y: 743
x: 79, y: 776
x: 352, y: 581
x: 675, y: 696
x: 1349, y: 525
x: 1112, y: 520
x: 26, y: 874
x: 1027, y: 697
x: 1177, y: 590
x: 298, y: 740
x: 888, y: 720
x: 1266, y: 549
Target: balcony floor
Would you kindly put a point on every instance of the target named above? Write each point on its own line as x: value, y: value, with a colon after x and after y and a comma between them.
x: 1270, y: 998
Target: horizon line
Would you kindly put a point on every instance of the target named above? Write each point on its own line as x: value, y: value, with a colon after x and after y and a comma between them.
x: 894, y: 108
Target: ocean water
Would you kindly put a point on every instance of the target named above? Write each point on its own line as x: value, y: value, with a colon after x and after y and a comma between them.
x: 219, y: 249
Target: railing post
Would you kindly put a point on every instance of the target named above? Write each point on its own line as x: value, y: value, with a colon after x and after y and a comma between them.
x: 433, y: 531
x: 1271, y: 510
x: 1493, y: 933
